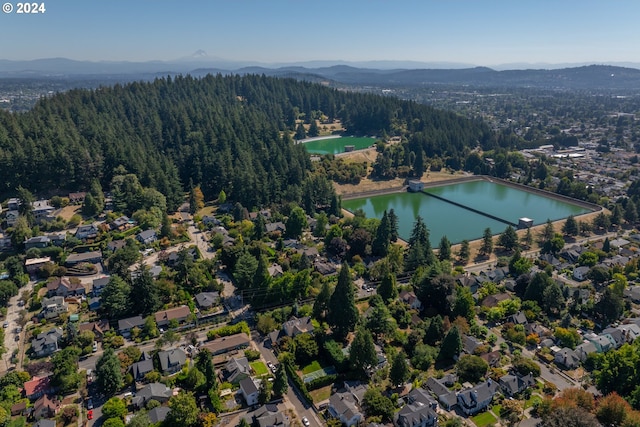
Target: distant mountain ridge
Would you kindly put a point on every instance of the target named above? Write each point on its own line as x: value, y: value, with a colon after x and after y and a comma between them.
x: 582, y: 77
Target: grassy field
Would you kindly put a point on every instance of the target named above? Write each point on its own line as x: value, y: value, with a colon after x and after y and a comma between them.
x: 484, y: 419
x: 321, y: 394
x: 336, y: 145
x: 259, y: 368
x: 312, y: 367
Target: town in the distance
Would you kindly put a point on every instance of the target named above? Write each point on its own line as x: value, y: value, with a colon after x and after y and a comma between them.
x: 310, y: 247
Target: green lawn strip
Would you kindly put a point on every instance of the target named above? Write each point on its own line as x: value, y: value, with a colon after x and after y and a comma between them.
x: 496, y: 410
x: 259, y: 368
x: 312, y: 367
x: 533, y: 399
x: 484, y: 419
x: 321, y: 394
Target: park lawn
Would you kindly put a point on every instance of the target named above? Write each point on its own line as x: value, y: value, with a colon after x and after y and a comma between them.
x: 312, y: 367
x: 484, y: 419
x: 323, y: 393
x: 259, y: 368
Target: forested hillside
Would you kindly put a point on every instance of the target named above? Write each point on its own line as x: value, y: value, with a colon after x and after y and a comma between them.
x: 226, y: 133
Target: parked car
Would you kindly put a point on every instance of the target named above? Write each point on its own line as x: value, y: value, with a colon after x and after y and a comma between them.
x: 90, y: 414
x: 89, y: 403
x: 5, y: 325
x: 305, y: 421
x: 95, y: 346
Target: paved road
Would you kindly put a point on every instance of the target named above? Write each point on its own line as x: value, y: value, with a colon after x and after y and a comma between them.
x: 300, y: 408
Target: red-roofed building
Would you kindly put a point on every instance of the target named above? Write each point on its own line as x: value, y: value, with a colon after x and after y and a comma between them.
x: 163, y: 317
x: 37, y: 387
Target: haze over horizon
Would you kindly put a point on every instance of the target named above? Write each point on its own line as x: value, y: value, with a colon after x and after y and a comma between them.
x: 491, y: 33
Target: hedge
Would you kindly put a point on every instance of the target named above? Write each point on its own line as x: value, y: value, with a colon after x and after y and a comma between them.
x: 225, y: 331
x: 293, y: 375
x: 321, y: 382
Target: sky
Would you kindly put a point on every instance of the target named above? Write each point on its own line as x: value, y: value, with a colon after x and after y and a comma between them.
x: 478, y: 32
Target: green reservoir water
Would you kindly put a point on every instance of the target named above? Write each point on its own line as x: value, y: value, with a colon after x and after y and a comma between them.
x: 442, y: 218
x: 336, y: 145
x: 457, y: 223
x: 506, y: 202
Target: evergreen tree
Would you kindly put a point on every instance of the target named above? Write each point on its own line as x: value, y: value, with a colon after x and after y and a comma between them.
x: 300, y: 132
x: 527, y: 239
x: 321, y: 304
x: 362, y: 353
x: 108, y: 375
x: 508, y: 239
x: 486, y: 248
x: 444, y: 253
x: 388, y: 289
x: 25, y: 208
x: 116, y: 298
x: 399, y: 372
x: 204, y: 363
x: 281, y: 382
x: 144, y: 292
x: 570, y: 227
x: 264, y: 392
x: 631, y: 212
x: 259, y: 228
x: 616, y: 215
x: 380, y: 244
x: 435, y: 331
x: 222, y: 197
x: 393, y: 226
x: 420, y: 252
x: 464, y: 253
x: 342, y: 311
x: 451, y: 345
x: 313, y: 129
x: 606, y: 245
x: 165, y: 230
x: 548, y: 232
x: 296, y: 223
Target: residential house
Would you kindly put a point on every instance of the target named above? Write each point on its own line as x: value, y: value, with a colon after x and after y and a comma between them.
x: 42, y: 210
x: 13, y: 204
x: 58, y: 239
x: 121, y: 223
x: 126, y: 325
x: 418, y: 412
x: 275, y: 270
x: 179, y: 314
x: 141, y: 368
x: 291, y: 328
x: 36, y: 387
x: 630, y: 331
x: 77, y: 198
x: 158, y: 414
x: 171, y: 361
x: 11, y: 217
x: 236, y: 370
x: 585, y: 349
x: 5, y: 242
x: 147, y: 237
x: 46, y: 343
x: 210, y: 220
x: 514, y: 384
x: 99, y: 285
x: 19, y: 408
x: 567, y: 358
x: 94, y: 303
x: 38, y: 242
x: 580, y: 273
x: 53, y: 307
x: 492, y: 358
x: 269, y: 416
x: 446, y: 397
x: 603, y: 342
x: 64, y: 287
x: 325, y: 268
x: 45, y: 423
x: 536, y: 328
x: 274, y: 227
x: 518, y: 318
x: 87, y: 232
x: 494, y: 300
x: 343, y: 406
x: 154, y: 270
x: 45, y: 407
x: 98, y: 328
x: 207, y: 300
x: 249, y: 391
x: 226, y: 344
x: 470, y: 344
x: 478, y: 398
x: 114, y: 245
x: 32, y: 265
x: 93, y: 257
x: 153, y: 391
x: 410, y: 298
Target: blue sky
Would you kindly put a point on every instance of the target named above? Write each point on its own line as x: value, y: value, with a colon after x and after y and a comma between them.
x: 480, y: 32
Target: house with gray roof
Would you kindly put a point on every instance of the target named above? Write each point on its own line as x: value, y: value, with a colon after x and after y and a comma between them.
x: 153, y: 391
x: 446, y: 397
x: 46, y: 343
x: 269, y: 416
x: 126, y: 325
x: 603, y: 342
x: 141, y: 368
x: 38, y: 242
x: 53, y: 307
x: 237, y: 369
x: 418, y: 412
x: 146, y: 237
x: 478, y: 398
x: 98, y: 285
x: 225, y: 344
x: 343, y: 406
x: 514, y: 384
x: 567, y: 358
x: 158, y: 414
x: 207, y: 300
x: 249, y: 391
x: 171, y: 361
x: 585, y: 349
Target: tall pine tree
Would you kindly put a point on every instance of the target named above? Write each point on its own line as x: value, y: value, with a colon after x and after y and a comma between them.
x: 342, y: 311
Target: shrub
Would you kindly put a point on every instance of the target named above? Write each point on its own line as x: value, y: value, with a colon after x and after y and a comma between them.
x: 251, y: 354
